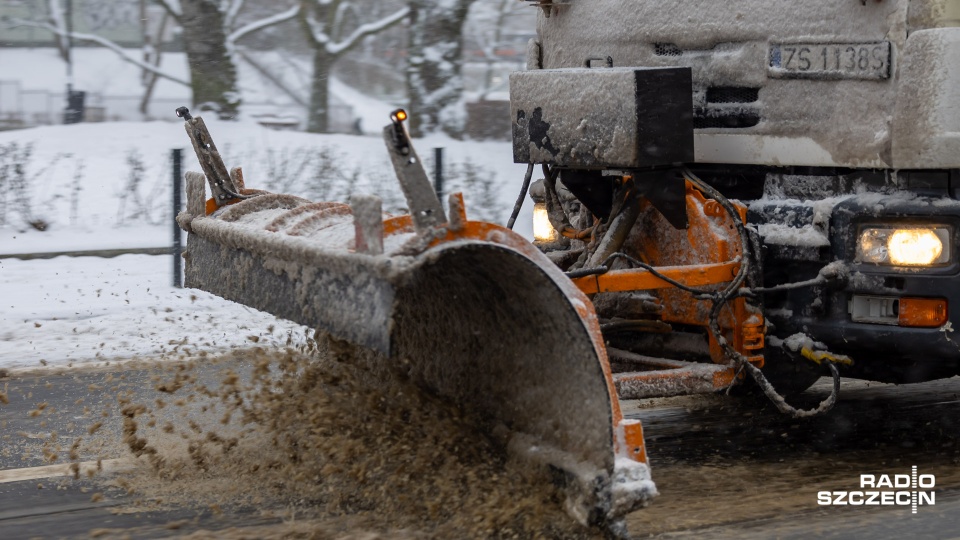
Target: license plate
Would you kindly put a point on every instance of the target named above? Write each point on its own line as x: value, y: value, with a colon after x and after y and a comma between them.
x: 830, y: 60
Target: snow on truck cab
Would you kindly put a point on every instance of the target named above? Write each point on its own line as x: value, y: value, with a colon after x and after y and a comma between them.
x: 834, y: 123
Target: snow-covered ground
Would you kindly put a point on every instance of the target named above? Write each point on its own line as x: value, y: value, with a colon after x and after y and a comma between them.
x: 80, y: 184
x: 108, y: 186
x: 71, y: 311
x: 83, y: 178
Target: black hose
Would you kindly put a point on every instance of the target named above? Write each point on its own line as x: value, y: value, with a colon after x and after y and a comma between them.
x: 555, y: 212
x: 700, y: 294
x: 819, y: 280
x: 720, y: 299
x: 786, y: 408
x: 523, y: 195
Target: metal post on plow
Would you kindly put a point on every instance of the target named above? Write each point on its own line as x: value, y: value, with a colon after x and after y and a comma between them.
x: 177, y: 249
x: 438, y: 172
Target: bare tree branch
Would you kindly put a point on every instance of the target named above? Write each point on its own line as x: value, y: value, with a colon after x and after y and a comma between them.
x: 365, y: 30
x: 271, y: 77
x: 339, y: 14
x: 261, y: 24
x: 172, y: 7
x: 103, y: 42
x: 231, y: 12
x: 317, y: 31
x: 58, y: 20
x: 152, y: 78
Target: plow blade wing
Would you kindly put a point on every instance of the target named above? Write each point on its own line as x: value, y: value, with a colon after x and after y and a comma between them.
x: 469, y: 310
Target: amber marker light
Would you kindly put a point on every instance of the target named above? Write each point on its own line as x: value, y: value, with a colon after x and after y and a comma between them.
x: 398, y: 115
x: 923, y: 312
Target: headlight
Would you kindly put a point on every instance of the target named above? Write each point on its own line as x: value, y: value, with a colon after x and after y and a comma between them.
x: 904, y: 246
x: 543, y: 231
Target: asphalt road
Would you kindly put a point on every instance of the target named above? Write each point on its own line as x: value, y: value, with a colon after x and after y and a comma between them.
x: 726, y: 467
x: 736, y: 468
x: 45, y: 414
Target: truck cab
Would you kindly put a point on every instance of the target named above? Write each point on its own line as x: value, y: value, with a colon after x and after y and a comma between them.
x: 837, y: 124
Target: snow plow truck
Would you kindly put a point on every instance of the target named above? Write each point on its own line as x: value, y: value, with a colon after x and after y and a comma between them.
x: 736, y: 193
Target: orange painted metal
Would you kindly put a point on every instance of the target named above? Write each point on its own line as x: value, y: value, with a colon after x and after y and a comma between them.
x: 640, y: 279
x: 723, y: 379
x: 692, y: 379
x: 923, y: 312
x: 398, y: 225
x: 705, y: 255
x: 630, y: 432
x: 211, y: 204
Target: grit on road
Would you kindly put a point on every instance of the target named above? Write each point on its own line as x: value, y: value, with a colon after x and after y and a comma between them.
x: 726, y: 467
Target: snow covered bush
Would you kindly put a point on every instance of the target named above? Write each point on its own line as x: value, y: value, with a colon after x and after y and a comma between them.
x: 16, y: 195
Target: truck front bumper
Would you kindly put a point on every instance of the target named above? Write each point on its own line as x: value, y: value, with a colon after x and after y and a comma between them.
x: 887, y: 350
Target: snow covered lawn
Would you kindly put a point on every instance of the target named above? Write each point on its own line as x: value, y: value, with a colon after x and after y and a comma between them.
x: 108, y: 186
x: 113, y: 181
x: 66, y: 311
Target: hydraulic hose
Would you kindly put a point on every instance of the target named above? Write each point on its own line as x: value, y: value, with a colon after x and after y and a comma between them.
x: 721, y: 298
x: 523, y: 195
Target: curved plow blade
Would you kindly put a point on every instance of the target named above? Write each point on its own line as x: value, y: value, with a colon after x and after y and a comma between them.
x: 469, y: 310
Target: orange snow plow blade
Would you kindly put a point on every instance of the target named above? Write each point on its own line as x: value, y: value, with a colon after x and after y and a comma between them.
x: 468, y: 310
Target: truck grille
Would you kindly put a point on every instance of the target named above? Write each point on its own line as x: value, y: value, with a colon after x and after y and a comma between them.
x: 732, y: 94
x: 727, y: 107
x: 667, y: 49
x: 719, y: 107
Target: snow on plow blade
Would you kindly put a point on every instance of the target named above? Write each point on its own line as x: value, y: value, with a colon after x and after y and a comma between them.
x: 468, y: 310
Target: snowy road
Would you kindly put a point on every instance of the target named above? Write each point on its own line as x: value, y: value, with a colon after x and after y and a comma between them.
x: 726, y: 467
x: 50, y: 503
x: 81, y: 335
x: 735, y: 468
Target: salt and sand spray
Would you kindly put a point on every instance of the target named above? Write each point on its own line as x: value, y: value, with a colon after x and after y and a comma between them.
x: 306, y: 434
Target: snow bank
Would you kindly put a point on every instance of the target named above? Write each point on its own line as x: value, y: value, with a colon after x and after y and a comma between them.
x: 81, y: 175
x: 70, y: 311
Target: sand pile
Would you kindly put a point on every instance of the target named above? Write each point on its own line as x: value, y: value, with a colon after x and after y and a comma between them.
x: 312, y: 433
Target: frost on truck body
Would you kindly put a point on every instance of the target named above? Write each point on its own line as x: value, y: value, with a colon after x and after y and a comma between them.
x: 904, y: 117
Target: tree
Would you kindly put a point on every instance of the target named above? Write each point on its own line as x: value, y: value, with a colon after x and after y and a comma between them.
x: 56, y: 17
x: 434, y: 81
x: 151, y: 55
x: 213, y: 76
x: 209, y: 37
x: 326, y: 24
x: 488, y: 22
x: 55, y: 23
x: 210, y: 34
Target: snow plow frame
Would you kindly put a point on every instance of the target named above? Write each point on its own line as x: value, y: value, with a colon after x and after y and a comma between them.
x: 380, y: 281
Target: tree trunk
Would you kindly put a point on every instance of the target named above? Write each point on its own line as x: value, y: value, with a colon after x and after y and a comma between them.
x: 318, y: 119
x: 154, y: 56
x: 213, y: 77
x: 434, y: 81
x: 324, y: 28
x: 502, y: 11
